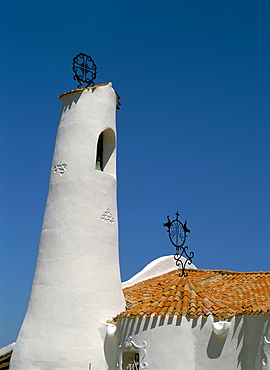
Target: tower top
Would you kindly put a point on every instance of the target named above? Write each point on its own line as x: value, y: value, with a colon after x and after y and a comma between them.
x: 92, y: 88
x: 85, y: 70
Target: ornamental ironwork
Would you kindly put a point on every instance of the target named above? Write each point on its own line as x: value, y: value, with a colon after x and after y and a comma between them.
x: 131, y: 355
x: 177, y: 234
x: 85, y: 70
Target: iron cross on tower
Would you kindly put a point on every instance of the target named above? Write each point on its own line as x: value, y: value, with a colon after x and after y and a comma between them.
x: 82, y: 66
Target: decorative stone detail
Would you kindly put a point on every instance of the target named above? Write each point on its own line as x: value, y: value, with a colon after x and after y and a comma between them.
x: 107, y: 216
x: 131, y: 356
x: 60, y: 168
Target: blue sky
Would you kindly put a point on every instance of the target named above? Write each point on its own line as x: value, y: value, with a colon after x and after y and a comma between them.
x: 193, y: 129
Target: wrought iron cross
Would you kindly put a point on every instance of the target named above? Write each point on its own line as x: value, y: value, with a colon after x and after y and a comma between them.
x: 82, y: 66
x: 177, y: 235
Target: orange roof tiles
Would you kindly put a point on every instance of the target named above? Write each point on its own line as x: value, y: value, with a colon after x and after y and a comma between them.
x: 223, y: 294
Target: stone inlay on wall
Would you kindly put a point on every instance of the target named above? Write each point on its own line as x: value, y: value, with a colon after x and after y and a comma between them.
x: 107, y: 216
x: 60, y: 168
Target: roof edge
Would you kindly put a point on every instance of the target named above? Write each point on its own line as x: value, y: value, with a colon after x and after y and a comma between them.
x: 81, y: 89
x: 91, y: 88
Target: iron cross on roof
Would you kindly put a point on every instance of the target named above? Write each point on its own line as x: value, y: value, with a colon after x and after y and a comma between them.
x: 178, y: 234
x: 83, y: 65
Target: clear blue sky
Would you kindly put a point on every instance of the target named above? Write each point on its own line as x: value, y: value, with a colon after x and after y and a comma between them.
x: 193, y: 129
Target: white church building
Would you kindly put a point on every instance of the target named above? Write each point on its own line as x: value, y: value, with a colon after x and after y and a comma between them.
x: 80, y: 319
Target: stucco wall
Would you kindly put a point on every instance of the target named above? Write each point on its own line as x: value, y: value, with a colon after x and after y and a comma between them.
x: 77, y: 280
x: 157, y: 267
x: 189, y: 344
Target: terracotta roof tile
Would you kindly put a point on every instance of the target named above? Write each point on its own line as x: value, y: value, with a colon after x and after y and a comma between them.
x: 222, y: 294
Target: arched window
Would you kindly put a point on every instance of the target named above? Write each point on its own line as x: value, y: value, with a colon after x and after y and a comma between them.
x: 99, y: 156
x: 105, y: 153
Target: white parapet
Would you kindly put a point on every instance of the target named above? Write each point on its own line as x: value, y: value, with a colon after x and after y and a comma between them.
x: 76, y: 285
x: 159, y: 266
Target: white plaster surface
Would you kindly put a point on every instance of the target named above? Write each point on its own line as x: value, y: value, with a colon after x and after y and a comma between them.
x: 111, y: 330
x: 190, y: 344
x: 157, y: 267
x: 6, y: 349
x: 221, y: 327
x: 77, y: 283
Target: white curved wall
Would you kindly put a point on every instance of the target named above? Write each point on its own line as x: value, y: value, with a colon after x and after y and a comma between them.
x: 77, y: 281
x: 191, y: 344
x: 157, y: 267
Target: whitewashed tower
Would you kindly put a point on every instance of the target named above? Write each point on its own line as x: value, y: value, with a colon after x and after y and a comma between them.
x: 77, y: 284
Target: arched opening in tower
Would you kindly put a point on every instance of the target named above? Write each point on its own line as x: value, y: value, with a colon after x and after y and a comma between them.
x: 105, y: 152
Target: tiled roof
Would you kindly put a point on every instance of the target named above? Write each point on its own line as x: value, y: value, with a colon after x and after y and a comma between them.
x: 92, y: 88
x: 5, y: 360
x: 223, y: 294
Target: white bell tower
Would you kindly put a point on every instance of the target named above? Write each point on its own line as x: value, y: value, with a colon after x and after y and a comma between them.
x: 77, y: 284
